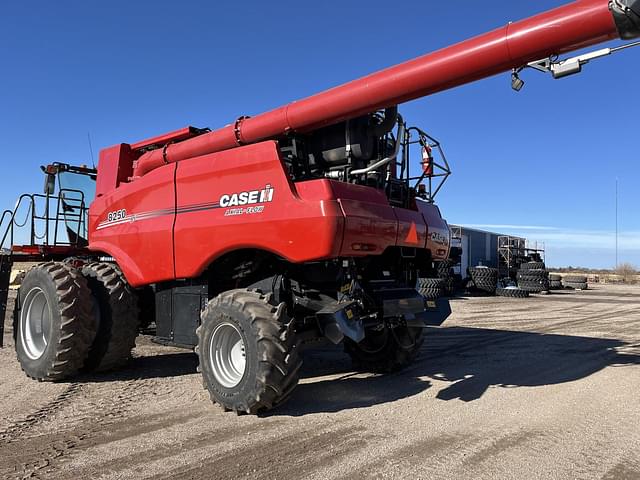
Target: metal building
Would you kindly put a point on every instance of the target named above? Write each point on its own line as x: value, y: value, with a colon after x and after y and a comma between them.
x: 479, y: 247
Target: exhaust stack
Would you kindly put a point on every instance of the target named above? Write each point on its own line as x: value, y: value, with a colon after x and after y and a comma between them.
x: 571, y: 27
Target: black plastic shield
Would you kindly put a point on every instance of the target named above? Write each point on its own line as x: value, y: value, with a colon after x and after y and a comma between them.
x: 341, y: 320
x: 434, y: 314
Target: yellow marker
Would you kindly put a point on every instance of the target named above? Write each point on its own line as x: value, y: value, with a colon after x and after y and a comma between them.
x: 349, y: 314
x: 431, y: 304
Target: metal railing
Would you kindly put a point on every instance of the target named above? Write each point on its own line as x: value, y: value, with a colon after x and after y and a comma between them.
x: 435, y: 174
x: 70, y: 209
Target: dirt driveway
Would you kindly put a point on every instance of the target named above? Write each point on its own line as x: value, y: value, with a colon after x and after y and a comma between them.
x: 547, y: 387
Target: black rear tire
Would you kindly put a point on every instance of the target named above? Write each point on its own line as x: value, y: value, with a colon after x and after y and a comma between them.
x: 533, y: 287
x: 269, y: 348
x: 118, y: 317
x: 431, y: 288
x: 484, y: 279
x: 386, y: 350
x: 532, y: 266
x: 62, y: 296
x: 555, y: 285
x: 512, y: 292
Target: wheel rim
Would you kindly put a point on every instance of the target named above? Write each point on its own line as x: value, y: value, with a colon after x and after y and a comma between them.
x: 35, y: 323
x: 227, y: 355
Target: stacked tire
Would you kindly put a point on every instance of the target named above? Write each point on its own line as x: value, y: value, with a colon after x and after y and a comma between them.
x: 532, y: 266
x: 576, y: 282
x: 431, y: 288
x: 446, y: 273
x: 512, y: 292
x: 555, y: 282
x: 533, y: 277
x: 484, y: 279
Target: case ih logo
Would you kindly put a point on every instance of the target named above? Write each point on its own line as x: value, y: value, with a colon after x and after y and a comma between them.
x: 247, y: 198
x: 439, y: 238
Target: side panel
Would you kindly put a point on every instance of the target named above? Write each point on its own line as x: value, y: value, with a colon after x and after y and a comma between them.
x: 412, y: 229
x: 370, y: 222
x: 243, y: 198
x: 133, y: 224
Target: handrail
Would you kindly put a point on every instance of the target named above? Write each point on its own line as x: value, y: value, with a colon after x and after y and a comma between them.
x: 440, y: 170
x: 32, y: 217
x: 13, y: 223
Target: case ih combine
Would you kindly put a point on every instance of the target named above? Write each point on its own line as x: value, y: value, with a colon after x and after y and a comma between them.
x: 302, y: 223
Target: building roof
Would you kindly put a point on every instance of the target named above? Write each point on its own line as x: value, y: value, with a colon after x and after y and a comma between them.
x: 477, y: 230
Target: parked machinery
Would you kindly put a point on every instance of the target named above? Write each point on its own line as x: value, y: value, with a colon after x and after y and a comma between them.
x: 301, y: 223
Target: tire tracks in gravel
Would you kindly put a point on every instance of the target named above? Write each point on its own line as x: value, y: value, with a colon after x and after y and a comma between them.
x: 432, y: 453
x: 175, y: 446
x: 19, y: 427
x: 589, y: 318
x: 39, y: 455
x: 292, y: 456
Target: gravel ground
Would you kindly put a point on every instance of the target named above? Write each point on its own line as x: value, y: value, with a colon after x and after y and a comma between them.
x: 546, y: 387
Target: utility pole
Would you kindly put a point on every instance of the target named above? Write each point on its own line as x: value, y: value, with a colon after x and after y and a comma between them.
x: 616, y: 223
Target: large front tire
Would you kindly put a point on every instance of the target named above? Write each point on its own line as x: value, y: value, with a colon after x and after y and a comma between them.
x: 385, y: 350
x: 247, y: 351
x: 53, y: 322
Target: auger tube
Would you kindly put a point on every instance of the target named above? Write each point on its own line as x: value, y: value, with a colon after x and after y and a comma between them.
x: 570, y: 27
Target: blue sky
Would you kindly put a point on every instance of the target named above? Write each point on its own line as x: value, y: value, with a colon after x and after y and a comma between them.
x: 541, y: 163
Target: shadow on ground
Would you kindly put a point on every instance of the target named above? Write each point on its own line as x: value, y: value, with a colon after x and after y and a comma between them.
x: 470, y: 359
x: 154, y: 366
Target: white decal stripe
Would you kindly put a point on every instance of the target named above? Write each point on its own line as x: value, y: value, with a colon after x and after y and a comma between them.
x: 158, y: 213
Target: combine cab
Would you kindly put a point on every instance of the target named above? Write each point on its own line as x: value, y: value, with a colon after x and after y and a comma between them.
x: 315, y: 221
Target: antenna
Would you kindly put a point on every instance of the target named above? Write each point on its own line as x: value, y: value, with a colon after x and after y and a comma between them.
x: 91, y: 150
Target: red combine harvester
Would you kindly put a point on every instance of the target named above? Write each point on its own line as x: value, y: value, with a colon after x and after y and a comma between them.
x: 303, y: 223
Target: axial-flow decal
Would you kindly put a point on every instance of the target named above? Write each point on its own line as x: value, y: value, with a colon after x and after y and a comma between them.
x: 249, y: 197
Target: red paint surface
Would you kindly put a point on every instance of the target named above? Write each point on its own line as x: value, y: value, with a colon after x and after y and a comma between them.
x: 143, y: 249
x: 312, y: 220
